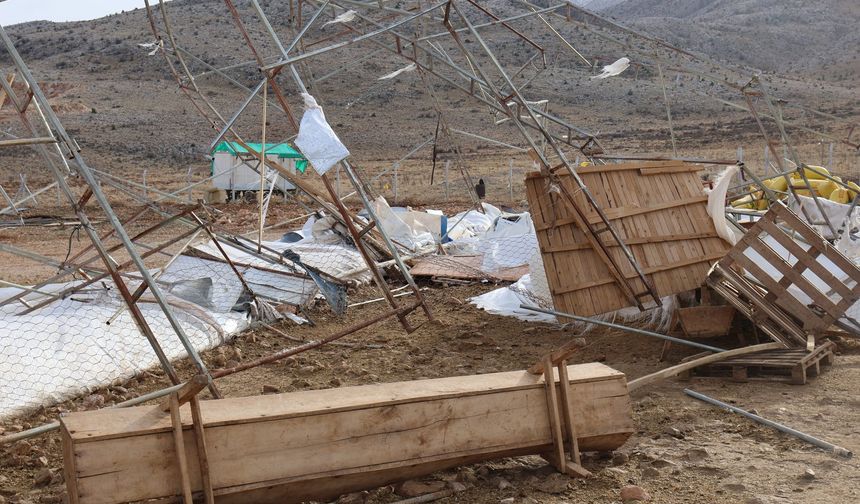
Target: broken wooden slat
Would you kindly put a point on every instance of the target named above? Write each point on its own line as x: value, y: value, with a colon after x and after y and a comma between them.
x: 685, y: 366
x: 313, y: 445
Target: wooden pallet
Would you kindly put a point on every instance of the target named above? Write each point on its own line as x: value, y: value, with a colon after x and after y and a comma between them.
x: 789, y: 365
x: 814, y: 286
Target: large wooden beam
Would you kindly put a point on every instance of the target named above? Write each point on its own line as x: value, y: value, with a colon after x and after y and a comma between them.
x: 315, y: 445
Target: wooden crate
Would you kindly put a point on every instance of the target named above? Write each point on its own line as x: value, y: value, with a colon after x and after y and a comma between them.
x: 810, y: 285
x: 318, y: 444
x: 788, y: 365
x: 659, y: 211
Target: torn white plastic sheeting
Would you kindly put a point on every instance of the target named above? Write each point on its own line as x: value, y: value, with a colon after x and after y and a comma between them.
x: 155, y: 46
x: 346, y: 17
x: 717, y: 205
x: 317, y: 141
x: 507, y: 300
x: 332, y: 259
x: 407, y: 68
x: 614, y: 69
x: 837, y: 214
x: 472, y: 222
x: 415, y: 237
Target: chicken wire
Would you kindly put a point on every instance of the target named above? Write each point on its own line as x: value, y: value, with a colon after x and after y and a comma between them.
x: 88, y: 339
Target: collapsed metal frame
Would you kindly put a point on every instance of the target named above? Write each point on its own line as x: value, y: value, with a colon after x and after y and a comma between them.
x: 427, y: 57
x: 480, y: 85
x: 68, y: 150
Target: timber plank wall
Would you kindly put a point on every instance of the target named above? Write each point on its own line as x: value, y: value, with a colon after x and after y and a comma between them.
x: 659, y: 209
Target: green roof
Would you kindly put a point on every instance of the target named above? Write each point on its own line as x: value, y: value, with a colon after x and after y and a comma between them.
x: 282, y: 150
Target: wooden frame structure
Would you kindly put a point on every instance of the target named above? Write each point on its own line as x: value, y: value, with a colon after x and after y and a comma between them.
x: 791, y: 289
x: 659, y: 210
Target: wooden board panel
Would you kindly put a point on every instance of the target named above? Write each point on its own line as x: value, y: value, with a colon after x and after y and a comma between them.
x: 464, y: 267
x: 319, y: 444
x: 659, y: 211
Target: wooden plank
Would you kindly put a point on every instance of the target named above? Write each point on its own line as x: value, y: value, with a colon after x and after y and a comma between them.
x: 793, y: 276
x: 202, y: 453
x: 179, y: 444
x: 783, y: 299
x: 621, y: 212
x: 686, y: 366
x: 660, y: 170
x: 554, y: 414
x: 314, y: 445
x: 69, y: 467
x: 796, y: 250
x: 755, y: 297
x: 817, y: 241
x: 190, y: 389
x: 649, y: 271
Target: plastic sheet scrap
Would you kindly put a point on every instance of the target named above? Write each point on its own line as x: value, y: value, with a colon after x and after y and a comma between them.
x: 317, y: 141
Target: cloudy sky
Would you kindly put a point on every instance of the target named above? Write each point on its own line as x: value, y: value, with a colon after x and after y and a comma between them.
x: 21, y: 11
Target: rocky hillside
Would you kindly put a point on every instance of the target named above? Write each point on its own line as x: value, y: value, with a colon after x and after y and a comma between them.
x: 817, y: 39
x: 126, y: 111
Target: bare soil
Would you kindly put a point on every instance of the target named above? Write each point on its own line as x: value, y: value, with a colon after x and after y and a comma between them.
x: 711, y: 456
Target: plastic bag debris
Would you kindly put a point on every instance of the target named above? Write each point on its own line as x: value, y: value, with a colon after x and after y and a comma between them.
x: 317, y: 141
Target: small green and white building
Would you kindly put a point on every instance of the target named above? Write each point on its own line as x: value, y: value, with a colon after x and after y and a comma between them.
x: 235, y: 170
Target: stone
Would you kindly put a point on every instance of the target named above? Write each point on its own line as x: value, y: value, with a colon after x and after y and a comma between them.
x: 42, y: 461
x: 808, y: 474
x: 509, y: 500
x: 466, y: 475
x: 620, y: 458
x: 661, y: 463
x: 270, y: 389
x: 634, y: 493
x: 21, y: 448
x: 650, y: 473
x: 674, y: 432
x: 456, y: 486
x: 232, y: 363
x: 696, y: 454
x: 43, y: 477
x: 734, y: 487
x: 502, y: 483
x: 555, y: 483
x: 465, y: 346
x: 413, y: 488
x: 93, y: 401
x: 305, y: 370
x: 617, y: 471
x: 335, y: 382
x: 353, y: 498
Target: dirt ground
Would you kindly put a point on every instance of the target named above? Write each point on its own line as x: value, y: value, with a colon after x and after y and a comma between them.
x: 684, y: 451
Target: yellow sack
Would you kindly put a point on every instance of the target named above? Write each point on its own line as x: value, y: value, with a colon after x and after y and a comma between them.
x: 822, y: 188
x: 745, y: 202
x: 810, y: 174
x: 840, y: 196
x: 777, y: 184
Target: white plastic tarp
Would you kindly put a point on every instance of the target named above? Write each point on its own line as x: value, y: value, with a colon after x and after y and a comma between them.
x: 317, y: 141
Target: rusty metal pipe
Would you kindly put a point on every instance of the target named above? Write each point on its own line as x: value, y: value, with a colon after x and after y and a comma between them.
x: 219, y: 373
